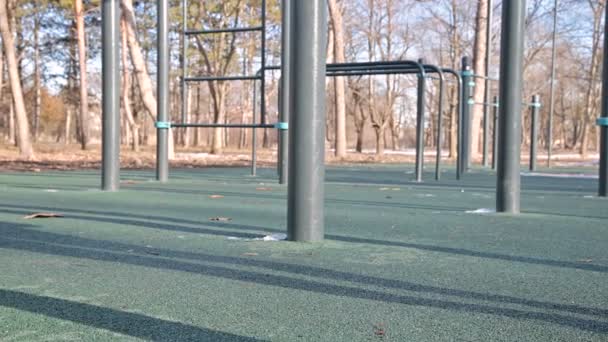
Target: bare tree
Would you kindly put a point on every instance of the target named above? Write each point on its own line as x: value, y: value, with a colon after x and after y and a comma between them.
x: 337, y: 24
x: 23, y: 130
x: 82, y: 64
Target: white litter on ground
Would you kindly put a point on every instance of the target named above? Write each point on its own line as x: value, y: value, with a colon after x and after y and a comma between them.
x: 51, y: 190
x: 267, y: 238
x: 560, y: 175
x: 481, y: 211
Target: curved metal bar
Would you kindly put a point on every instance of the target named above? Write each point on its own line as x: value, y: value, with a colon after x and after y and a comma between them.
x: 439, y: 120
x: 458, y: 78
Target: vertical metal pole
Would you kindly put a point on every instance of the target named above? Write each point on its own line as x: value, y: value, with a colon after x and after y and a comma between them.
x: 552, y: 90
x: 488, y: 91
x: 459, y: 130
x: 603, y: 121
x: 162, y: 133
x: 263, y: 66
x: 466, y: 123
x: 495, y: 106
x: 306, y: 189
x: 184, y: 61
x: 439, y: 127
x: 254, y: 132
x: 420, y: 125
x: 508, y: 184
x: 285, y: 80
x: 110, y: 173
x: 534, y: 108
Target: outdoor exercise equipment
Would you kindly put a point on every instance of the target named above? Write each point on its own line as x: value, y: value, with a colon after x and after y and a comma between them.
x: 305, y: 67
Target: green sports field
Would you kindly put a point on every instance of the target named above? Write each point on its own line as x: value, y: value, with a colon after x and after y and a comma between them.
x: 185, y: 261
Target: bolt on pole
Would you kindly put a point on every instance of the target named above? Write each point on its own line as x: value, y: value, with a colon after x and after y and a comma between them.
x: 508, y: 184
x: 285, y: 81
x: 306, y: 190
x: 162, y: 94
x: 534, y: 116
x: 420, y: 126
x: 110, y: 173
x: 603, y: 121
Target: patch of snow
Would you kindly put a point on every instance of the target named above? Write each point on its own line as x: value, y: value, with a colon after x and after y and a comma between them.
x: 560, y: 175
x: 267, y: 238
x: 481, y: 211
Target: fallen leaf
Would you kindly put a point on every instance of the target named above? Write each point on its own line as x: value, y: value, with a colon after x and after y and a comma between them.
x: 250, y: 254
x: 216, y: 196
x: 129, y: 182
x: 220, y: 219
x: 42, y: 215
x: 379, y: 330
x: 263, y: 189
x: 585, y: 261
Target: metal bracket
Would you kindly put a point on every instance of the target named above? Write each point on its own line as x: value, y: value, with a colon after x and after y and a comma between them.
x: 282, y: 126
x: 162, y: 125
x: 603, y: 121
x: 467, y: 73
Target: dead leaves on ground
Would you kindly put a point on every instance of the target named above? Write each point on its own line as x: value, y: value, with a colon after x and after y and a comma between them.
x: 42, y: 216
x: 220, y: 219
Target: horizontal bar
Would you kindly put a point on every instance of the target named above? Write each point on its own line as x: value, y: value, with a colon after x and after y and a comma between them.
x: 485, y: 77
x: 222, y: 78
x: 226, y: 30
x: 211, y: 125
x: 602, y: 122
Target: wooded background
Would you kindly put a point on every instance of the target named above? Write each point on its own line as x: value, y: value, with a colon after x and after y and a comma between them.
x: 50, y: 82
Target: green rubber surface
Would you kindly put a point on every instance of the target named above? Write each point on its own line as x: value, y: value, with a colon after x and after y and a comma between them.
x: 402, y: 261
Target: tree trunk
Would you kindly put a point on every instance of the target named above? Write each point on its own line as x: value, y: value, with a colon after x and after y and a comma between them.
x: 23, y: 129
x: 380, y: 134
x: 141, y: 72
x: 479, y: 55
x: 133, y: 138
x: 37, y: 76
x: 68, y: 119
x: 82, y: 65
x: 12, y: 136
x: 335, y: 10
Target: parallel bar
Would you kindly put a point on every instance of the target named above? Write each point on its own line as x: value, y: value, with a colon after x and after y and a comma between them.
x: 420, y: 126
x: 603, y: 186
x: 439, y: 125
x: 508, y: 184
x: 225, y: 30
x: 162, y: 144
x: 222, y: 78
x: 495, y: 133
x: 534, y: 109
x: 458, y: 107
x: 110, y: 172
x: 283, y: 161
x: 306, y: 191
x: 211, y: 125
